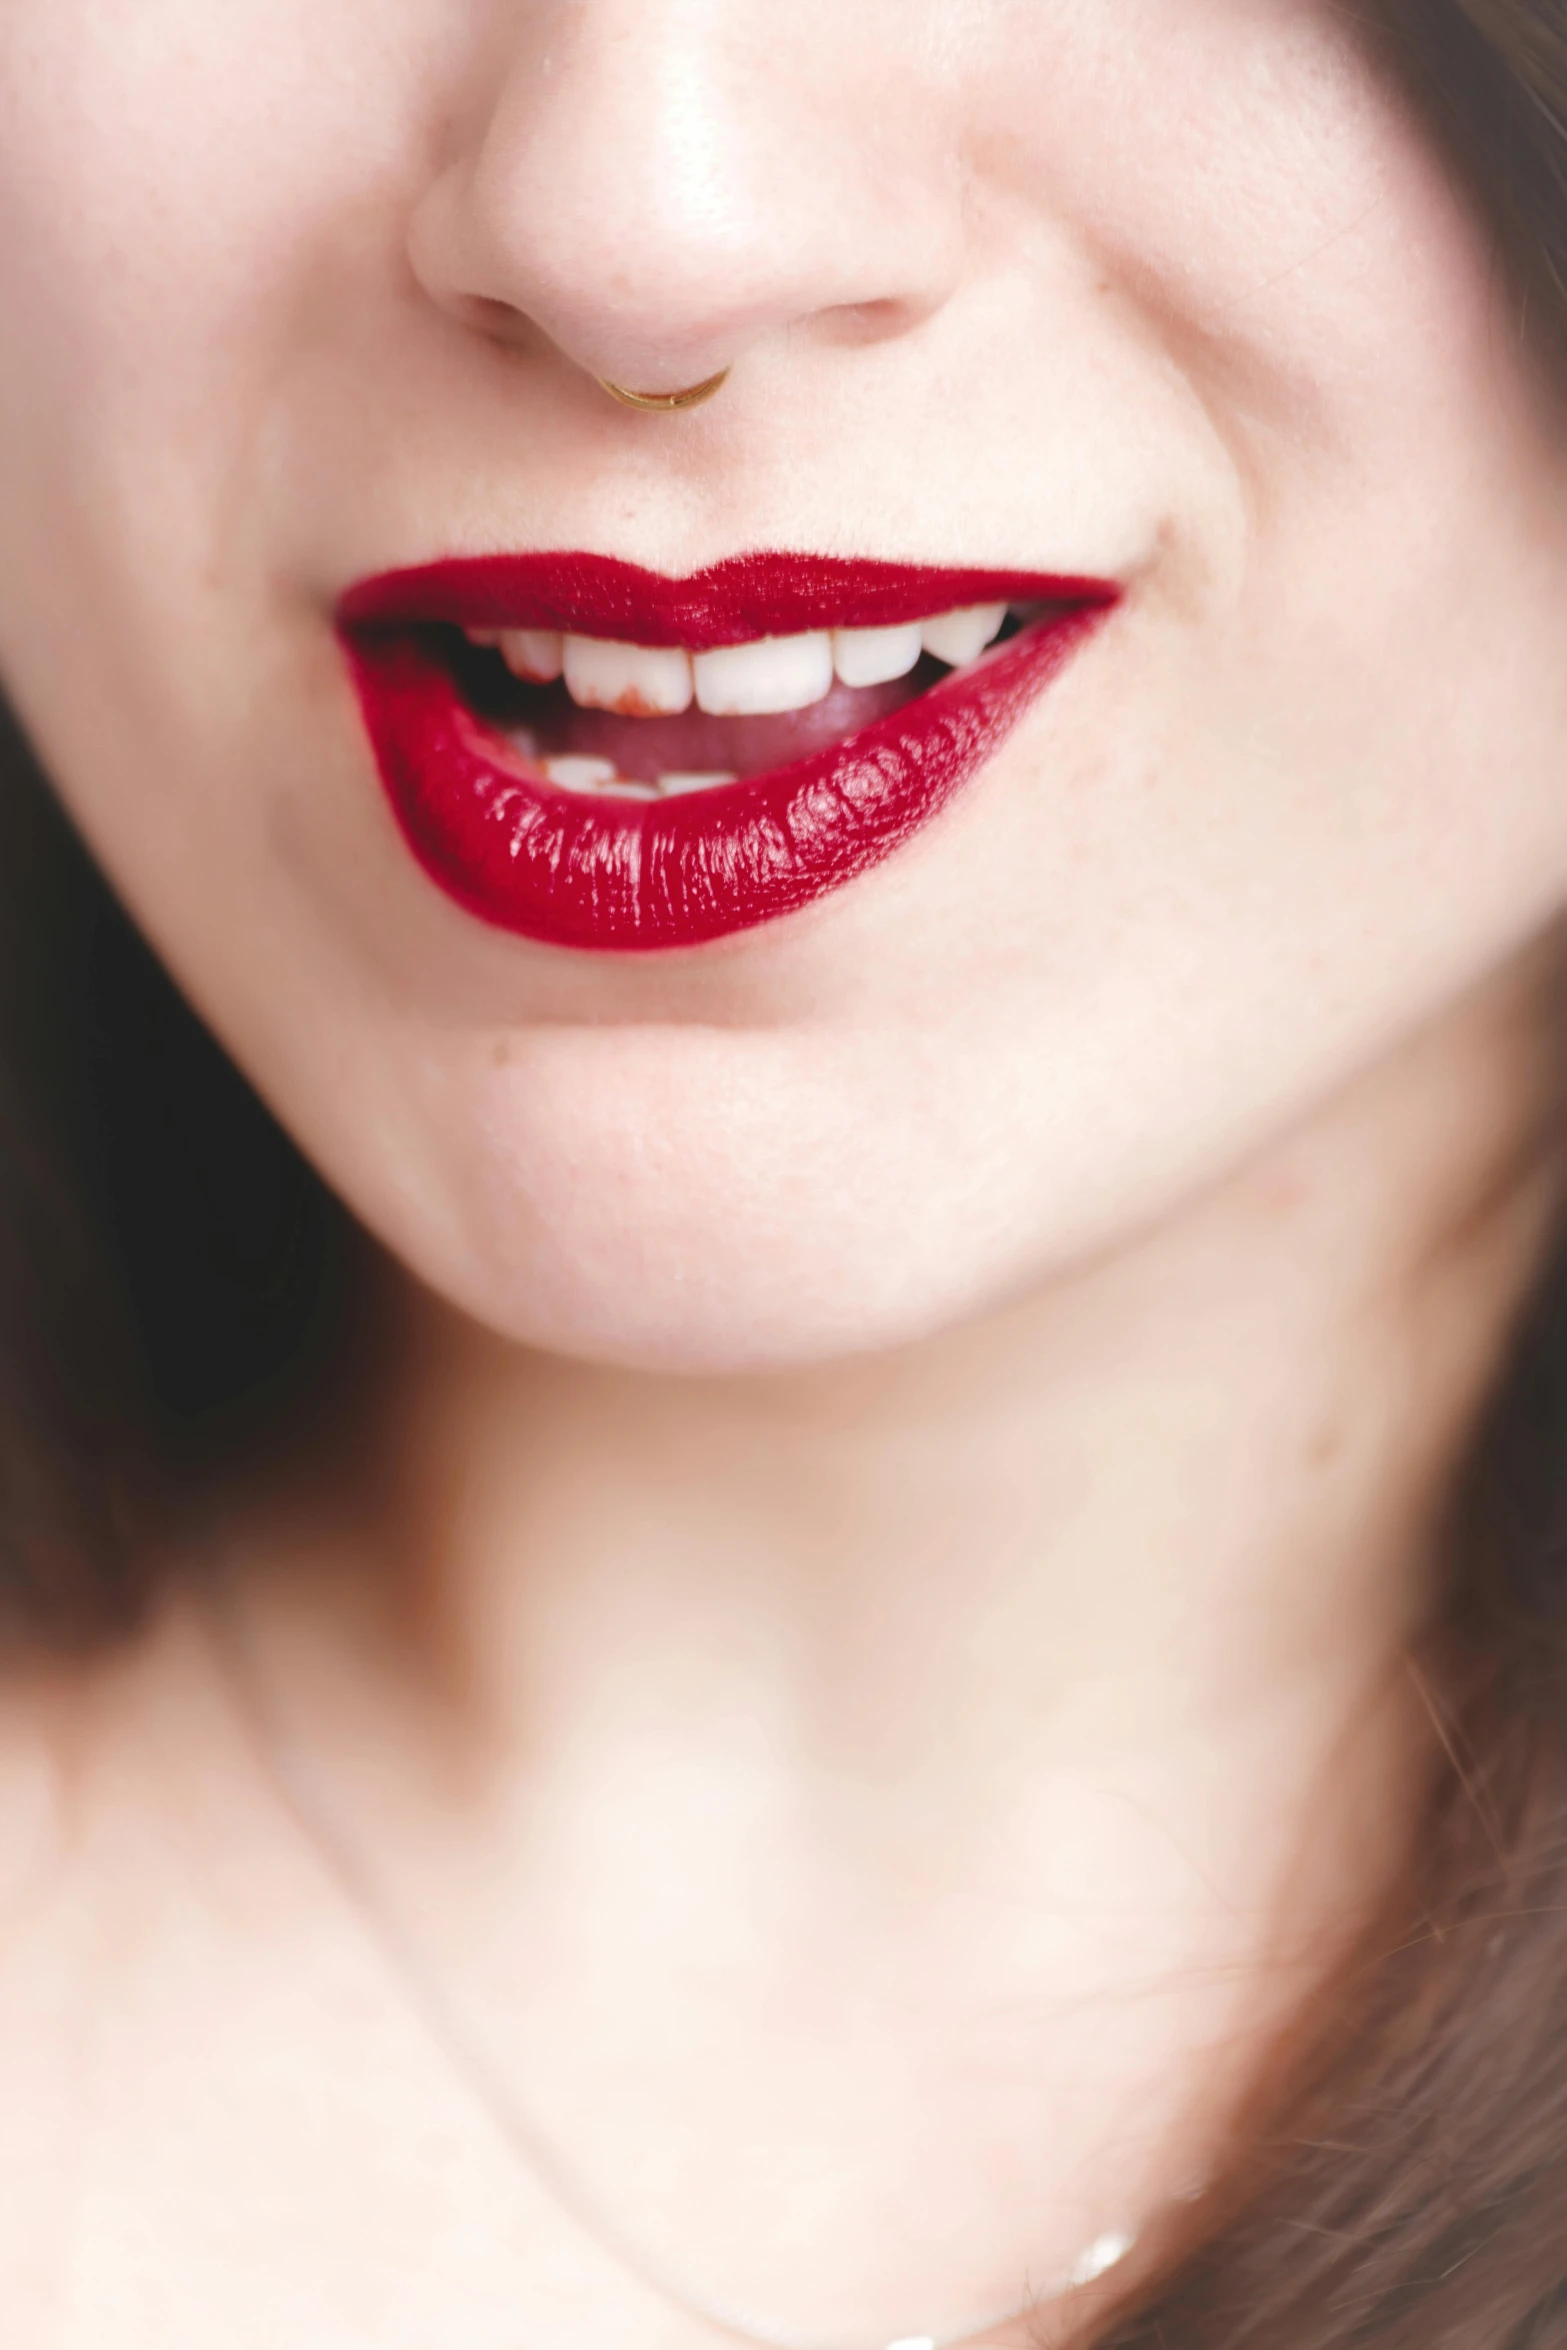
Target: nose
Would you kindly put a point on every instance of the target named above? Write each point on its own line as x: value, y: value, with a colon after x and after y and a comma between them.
x: 660, y: 186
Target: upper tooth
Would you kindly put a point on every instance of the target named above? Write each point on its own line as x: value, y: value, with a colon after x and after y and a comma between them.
x: 960, y: 637
x: 756, y: 680
x: 533, y: 653
x: 873, y: 656
x: 769, y: 675
x: 640, y: 681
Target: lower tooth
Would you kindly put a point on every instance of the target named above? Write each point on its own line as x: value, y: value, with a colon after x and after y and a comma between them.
x: 574, y: 774
x: 672, y: 785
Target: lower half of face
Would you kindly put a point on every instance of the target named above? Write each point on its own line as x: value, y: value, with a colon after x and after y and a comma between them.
x: 1142, y: 705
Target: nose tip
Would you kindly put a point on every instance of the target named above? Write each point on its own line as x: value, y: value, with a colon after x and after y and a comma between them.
x: 657, y: 205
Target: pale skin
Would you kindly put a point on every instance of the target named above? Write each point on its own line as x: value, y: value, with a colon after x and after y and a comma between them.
x: 862, y: 1621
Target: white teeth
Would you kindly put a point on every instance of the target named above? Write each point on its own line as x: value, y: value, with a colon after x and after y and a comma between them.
x: 572, y: 774
x: 737, y: 681
x: 960, y: 637
x: 767, y: 677
x: 672, y: 785
x: 758, y: 680
x: 600, y: 777
x: 874, y: 656
x: 533, y: 653
x: 638, y: 681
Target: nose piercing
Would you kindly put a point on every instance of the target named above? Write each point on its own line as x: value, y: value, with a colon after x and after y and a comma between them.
x: 665, y: 403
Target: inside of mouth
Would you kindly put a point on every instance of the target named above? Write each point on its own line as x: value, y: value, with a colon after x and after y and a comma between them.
x: 605, y: 751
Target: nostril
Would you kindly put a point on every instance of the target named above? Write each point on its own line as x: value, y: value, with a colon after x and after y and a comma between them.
x: 497, y: 322
x: 500, y: 319
x: 656, y: 206
x: 870, y: 322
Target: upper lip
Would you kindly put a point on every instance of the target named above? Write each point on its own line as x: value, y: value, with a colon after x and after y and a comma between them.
x: 746, y: 597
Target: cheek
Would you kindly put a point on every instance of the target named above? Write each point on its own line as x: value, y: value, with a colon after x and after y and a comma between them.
x: 1273, y: 222
x: 186, y: 191
x: 180, y: 185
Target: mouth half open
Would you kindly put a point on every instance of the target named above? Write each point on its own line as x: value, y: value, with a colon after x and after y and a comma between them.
x: 606, y: 759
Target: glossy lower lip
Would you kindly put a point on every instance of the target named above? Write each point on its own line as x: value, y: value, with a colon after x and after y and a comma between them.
x: 610, y: 876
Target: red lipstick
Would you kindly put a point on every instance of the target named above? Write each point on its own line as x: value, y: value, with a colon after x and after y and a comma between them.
x: 613, y: 875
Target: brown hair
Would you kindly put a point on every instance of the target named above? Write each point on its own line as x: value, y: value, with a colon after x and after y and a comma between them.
x: 1405, y: 2185
x: 170, y: 1271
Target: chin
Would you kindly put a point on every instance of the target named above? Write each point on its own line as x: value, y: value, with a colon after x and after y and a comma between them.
x: 683, y: 1207
x: 629, y: 1278
x: 693, y: 1316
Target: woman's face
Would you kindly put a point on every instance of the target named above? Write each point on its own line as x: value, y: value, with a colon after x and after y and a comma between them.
x: 1172, y: 295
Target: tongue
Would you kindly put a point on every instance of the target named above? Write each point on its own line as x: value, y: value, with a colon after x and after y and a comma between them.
x: 645, y: 748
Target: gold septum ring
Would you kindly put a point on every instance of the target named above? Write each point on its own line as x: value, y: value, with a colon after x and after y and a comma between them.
x: 665, y: 403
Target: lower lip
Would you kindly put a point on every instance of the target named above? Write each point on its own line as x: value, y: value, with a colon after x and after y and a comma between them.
x: 612, y: 876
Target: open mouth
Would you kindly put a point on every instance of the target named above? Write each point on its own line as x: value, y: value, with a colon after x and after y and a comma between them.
x: 609, y: 759
x: 654, y: 722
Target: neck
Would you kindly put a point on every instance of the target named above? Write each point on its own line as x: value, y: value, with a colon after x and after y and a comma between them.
x: 1094, y: 1610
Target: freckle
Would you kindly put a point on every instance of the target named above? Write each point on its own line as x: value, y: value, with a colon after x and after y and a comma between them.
x: 501, y: 1051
